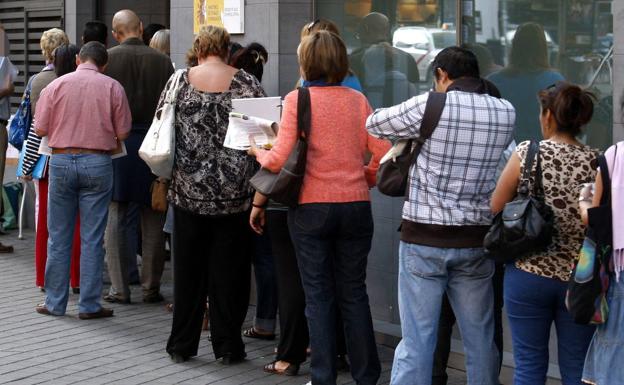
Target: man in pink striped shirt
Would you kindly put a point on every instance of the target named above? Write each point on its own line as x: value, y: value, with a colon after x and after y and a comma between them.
x: 85, y: 114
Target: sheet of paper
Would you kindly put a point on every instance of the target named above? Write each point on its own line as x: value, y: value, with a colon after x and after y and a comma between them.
x: 241, y: 129
x: 44, y: 148
x: 120, y: 151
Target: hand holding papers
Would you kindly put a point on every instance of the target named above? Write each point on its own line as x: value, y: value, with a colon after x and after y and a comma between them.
x: 255, y: 117
x: 242, y: 127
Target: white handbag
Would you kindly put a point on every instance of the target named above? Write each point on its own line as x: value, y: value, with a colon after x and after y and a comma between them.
x: 158, y: 147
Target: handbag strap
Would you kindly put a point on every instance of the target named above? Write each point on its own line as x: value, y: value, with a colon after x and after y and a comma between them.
x: 304, y: 115
x: 605, y: 199
x: 523, y: 188
x: 172, y: 92
x: 433, y: 111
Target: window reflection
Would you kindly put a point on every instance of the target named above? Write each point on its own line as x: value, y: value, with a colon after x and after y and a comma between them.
x: 575, y: 45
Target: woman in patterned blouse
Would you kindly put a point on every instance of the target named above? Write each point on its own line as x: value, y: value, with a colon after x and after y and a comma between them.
x: 535, y: 285
x: 211, y: 196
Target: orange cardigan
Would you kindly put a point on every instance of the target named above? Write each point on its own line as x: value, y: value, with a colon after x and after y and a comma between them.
x: 337, y: 147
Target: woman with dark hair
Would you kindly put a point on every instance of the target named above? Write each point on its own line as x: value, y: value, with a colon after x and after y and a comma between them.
x: 251, y: 59
x: 535, y: 285
x: 65, y: 59
x: 527, y: 73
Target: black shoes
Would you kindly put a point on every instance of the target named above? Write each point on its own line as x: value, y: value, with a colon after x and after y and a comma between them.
x: 231, y: 359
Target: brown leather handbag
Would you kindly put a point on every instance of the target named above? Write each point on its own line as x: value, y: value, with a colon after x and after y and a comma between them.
x: 159, y: 195
x: 284, y: 187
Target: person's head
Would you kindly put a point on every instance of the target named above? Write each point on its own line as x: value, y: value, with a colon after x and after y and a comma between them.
x: 51, y: 39
x: 95, y: 31
x: 95, y: 53
x: 212, y: 41
x: 323, y: 56
x: 484, y: 57
x: 251, y: 59
x: 234, y: 48
x: 191, y: 58
x: 126, y: 25
x: 65, y: 59
x: 374, y: 28
x: 529, y: 49
x: 160, y: 42
x: 150, y: 31
x: 319, y: 25
x: 451, y: 64
x: 565, y: 109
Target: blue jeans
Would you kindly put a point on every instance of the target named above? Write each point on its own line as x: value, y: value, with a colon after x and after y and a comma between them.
x: 332, y: 241
x: 425, y: 273
x: 77, y: 183
x: 533, y: 303
x: 266, y: 284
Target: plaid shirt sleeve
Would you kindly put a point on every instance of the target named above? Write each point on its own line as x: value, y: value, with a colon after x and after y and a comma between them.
x: 398, y: 122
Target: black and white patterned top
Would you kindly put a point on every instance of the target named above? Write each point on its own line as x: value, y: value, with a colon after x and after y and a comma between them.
x: 455, y: 173
x: 209, y: 179
x: 565, y: 167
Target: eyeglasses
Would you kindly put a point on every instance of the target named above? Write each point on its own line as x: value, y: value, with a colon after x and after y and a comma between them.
x: 312, y: 24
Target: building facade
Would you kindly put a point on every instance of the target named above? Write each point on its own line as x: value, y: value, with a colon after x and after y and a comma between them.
x: 585, y: 44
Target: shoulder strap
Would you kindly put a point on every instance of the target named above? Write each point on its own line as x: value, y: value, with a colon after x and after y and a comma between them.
x: 431, y: 118
x: 606, y: 180
x: 304, y: 116
x: 533, y: 149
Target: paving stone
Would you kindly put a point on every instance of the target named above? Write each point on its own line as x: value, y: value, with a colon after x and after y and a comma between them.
x: 126, y: 349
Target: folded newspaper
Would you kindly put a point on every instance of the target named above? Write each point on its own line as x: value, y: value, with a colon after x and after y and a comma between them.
x: 241, y: 127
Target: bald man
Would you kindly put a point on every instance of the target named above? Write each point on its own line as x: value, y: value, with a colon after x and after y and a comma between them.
x: 143, y: 72
x: 388, y: 75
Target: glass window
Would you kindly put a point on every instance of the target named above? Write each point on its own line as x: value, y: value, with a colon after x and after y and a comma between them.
x: 392, y: 43
x: 526, y: 45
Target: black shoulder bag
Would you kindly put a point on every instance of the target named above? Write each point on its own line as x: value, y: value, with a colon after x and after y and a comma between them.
x: 285, y: 186
x: 393, y: 174
x: 586, y: 297
x: 525, y: 225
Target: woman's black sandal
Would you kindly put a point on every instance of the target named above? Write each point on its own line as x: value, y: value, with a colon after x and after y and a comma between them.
x: 291, y: 369
x: 252, y: 333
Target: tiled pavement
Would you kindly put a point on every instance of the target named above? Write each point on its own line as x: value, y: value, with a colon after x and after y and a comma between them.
x: 126, y: 349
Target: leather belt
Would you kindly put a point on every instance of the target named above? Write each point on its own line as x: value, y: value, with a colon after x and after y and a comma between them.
x: 79, y: 151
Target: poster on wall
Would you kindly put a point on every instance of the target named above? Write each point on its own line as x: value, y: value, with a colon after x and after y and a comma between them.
x: 229, y: 14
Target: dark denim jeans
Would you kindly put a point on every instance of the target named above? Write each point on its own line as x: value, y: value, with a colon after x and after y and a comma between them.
x: 533, y: 304
x: 332, y: 242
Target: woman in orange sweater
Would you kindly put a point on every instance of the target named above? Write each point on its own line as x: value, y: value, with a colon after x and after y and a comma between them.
x: 332, y: 227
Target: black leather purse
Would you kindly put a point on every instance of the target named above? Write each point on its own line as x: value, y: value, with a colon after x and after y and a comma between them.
x: 393, y: 173
x: 526, y: 224
x: 284, y: 187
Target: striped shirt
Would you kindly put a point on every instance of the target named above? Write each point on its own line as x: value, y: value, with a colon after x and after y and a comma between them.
x: 455, y: 173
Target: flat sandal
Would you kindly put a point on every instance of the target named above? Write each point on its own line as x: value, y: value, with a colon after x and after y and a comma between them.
x: 291, y: 369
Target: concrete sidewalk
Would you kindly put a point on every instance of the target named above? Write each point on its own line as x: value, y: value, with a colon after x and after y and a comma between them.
x: 126, y: 349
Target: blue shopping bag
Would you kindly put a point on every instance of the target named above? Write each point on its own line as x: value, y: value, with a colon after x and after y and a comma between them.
x: 20, y: 124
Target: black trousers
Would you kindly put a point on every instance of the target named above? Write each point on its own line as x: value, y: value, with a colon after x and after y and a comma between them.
x: 212, y: 257
x: 294, y: 335
x: 447, y: 321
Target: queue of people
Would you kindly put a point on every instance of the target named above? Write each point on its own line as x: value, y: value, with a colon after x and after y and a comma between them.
x: 311, y: 259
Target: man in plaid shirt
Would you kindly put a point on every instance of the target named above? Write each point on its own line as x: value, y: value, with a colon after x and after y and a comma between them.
x: 446, y: 217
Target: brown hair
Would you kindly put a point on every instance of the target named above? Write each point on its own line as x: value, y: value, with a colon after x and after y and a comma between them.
x: 571, y: 106
x: 323, y: 56
x: 319, y: 25
x: 529, y: 49
x: 212, y: 41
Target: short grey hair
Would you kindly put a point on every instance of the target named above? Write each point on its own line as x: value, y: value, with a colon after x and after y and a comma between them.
x: 94, y: 51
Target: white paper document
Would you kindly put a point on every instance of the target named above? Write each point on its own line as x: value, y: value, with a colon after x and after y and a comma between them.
x: 242, y: 127
x: 255, y: 117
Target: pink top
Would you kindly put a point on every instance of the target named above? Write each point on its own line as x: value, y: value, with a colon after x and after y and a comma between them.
x: 337, y: 147
x: 83, y: 109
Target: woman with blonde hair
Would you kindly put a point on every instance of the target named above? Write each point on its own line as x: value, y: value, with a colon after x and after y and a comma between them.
x: 160, y: 41
x: 211, y: 198
x: 332, y: 227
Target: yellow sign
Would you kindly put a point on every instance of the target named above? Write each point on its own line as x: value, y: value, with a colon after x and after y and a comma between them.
x: 224, y: 13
